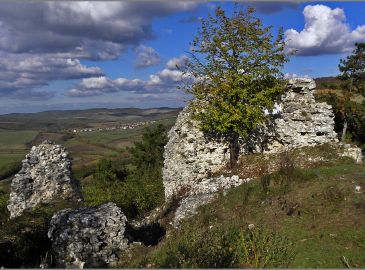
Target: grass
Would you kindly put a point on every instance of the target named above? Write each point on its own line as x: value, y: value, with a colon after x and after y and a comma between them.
x: 13, y: 146
x: 16, y: 139
x: 319, y: 213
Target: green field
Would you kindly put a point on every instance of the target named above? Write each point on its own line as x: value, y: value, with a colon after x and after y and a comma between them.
x: 86, y: 148
x: 16, y: 140
x: 13, y: 147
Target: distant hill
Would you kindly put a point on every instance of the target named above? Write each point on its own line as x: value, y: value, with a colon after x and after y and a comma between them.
x: 68, y: 119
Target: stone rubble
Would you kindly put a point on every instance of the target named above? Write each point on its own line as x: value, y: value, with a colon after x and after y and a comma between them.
x: 45, y: 175
x: 88, y: 237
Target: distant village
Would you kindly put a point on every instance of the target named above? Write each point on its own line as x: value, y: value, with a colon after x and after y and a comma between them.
x: 118, y: 127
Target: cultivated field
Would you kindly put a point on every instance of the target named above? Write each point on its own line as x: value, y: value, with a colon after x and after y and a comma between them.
x: 19, y: 132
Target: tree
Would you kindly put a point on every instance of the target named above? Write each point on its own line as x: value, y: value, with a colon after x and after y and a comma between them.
x: 353, y: 74
x: 147, y: 155
x: 235, y: 64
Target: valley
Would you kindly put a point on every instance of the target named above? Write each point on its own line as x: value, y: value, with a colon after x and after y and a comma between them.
x: 105, y: 137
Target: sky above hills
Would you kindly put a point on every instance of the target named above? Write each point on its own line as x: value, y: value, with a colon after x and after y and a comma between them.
x: 77, y: 55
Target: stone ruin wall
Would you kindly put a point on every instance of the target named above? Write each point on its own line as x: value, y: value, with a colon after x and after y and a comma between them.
x: 189, y: 156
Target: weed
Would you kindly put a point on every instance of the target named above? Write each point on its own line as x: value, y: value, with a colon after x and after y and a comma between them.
x: 224, y: 248
x: 333, y: 194
x: 265, y: 183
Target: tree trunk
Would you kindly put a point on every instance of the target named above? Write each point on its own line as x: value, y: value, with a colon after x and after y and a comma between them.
x: 233, y: 150
x: 344, y: 129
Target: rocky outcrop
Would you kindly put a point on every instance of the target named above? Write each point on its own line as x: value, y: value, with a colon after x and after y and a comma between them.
x: 351, y: 151
x: 45, y: 175
x: 204, y: 192
x: 88, y: 237
x: 189, y: 155
x: 301, y: 121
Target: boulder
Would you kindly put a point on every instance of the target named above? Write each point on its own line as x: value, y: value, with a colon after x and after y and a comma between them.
x: 88, y: 237
x: 45, y: 175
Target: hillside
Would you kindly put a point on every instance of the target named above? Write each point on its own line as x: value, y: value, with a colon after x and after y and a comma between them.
x: 317, y: 217
x: 294, y: 199
x: 69, y: 119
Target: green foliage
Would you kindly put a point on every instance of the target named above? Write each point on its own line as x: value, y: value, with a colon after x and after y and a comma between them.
x: 236, y: 64
x: 353, y: 69
x: 354, y: 113
x: 27, y: 235
x: 147, y: 155
x: 4, y: 213
x: 108, y: 171
x: 136, y: 187
x: 225, y: 248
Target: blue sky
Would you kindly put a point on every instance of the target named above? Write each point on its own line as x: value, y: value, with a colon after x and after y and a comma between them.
x: 121, y: 54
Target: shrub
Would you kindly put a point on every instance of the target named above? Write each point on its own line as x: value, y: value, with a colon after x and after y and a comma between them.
x: 225, y: 248
x: 265, y: 183
x: 135, y: 187
x: 4, y: 213
x: 108, y: 171
x: 27, y: 235
x: 286, y: 169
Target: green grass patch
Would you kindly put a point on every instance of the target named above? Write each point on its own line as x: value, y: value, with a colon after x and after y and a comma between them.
x: 319, y: 215
x: 16, y: 139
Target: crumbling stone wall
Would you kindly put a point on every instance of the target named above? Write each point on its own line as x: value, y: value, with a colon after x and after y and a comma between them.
x: 45, y: 175
x: 301, y: 121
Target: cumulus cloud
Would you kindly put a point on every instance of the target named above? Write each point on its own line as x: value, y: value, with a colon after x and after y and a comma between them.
x: 45, y: 41
x: 74, y: 26
x: 163, y: 81
x: 20, y: 74
x: 146, y: 57
x: 325, y: 32
x: 101, y: 85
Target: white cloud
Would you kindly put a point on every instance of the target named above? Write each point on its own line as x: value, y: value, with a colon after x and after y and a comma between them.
x: 146, y: 57
x: 177, y: 62
x: 45, y: 41
x: 325, y: 32
x: 20, y: 74
x: 88, y: 26
x: 161, y: 82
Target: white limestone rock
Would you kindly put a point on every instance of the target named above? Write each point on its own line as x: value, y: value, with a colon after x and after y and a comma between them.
x: 190, y: 155
x: 45, y: 175
x: 88, y: 237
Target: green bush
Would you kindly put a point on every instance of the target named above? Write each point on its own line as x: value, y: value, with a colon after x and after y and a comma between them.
x: 224, y: 248
x: 135, y: 187
x: 27, y: 235
x: 4, y: 213
x: 355, y: 115
x: 108, y: 171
